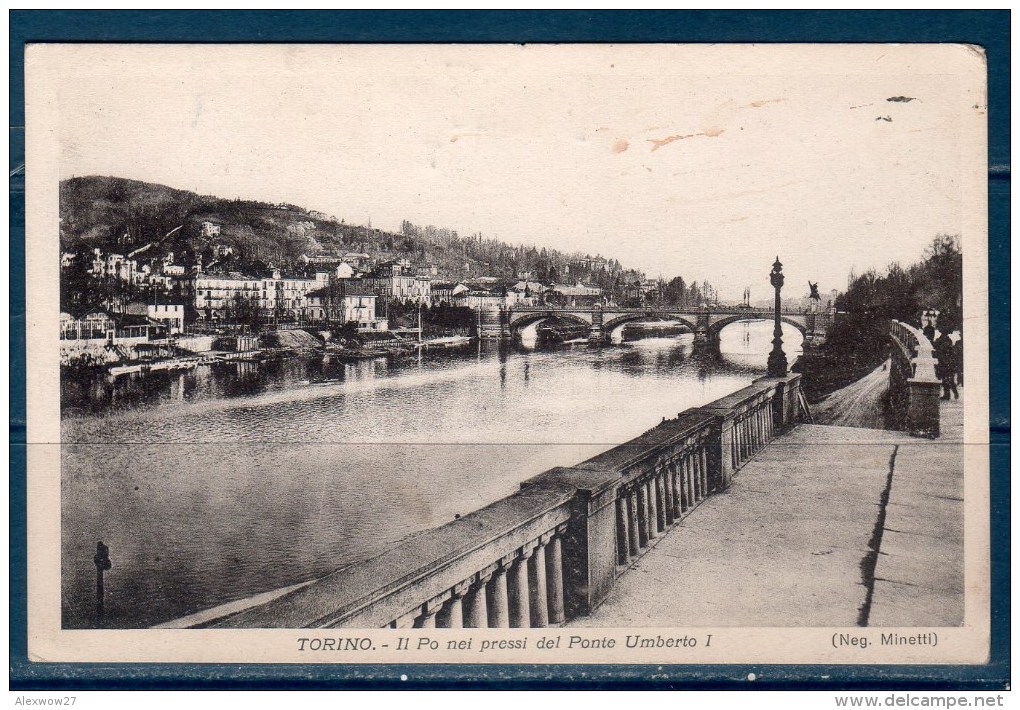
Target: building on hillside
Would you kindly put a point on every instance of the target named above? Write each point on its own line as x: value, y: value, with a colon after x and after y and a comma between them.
x: 580, y: 295
x: 101, y: 325
x: 170, y: 315
x: 210, y: 230
x: 114, y: 266
x: 277, y: 296
x: 526, y: 293
x: 394, y: 280
x: 344, y: 301
x: 446, y: 291
x: 478, y: 298
x: 344, y: 270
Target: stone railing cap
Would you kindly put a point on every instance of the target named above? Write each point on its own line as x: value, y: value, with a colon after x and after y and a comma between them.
x: 353, y: 586
x: 590, y: 481
x: 620, y: 457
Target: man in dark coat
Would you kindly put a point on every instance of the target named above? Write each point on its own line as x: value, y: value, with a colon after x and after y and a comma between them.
x: 945, y: 370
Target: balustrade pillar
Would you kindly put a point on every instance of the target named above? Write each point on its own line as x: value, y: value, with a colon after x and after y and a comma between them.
x: 520, y: 613
x: 554, y: 580
x: 538, y: 598
x: 426, y: 621
x: 498, y: 600
x: 632, y: 524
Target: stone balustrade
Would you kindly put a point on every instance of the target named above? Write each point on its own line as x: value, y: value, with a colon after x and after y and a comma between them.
x: 913, y: 386
x: 553, y: 550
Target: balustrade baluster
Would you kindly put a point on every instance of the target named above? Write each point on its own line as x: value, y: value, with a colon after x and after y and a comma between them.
x: 762, y: 439
x: 537, y: 589
x: 451, y: 616
x: 642, y: 511
x: 660, y: 499
x: 477, y: 616
x: 426, y: 621
x: 692, y: 499
x: 520, y: 613
x: 653, y: 513
x: 554, y: 579
x: 668, y: 502
x: 754, y: 431
x: 703, y: 463
x: 498, y: 600
x: 404, y: 622
x: 622, y: 530
x: 632, y: 524
x: 678, y: 487
x: 697, y: 472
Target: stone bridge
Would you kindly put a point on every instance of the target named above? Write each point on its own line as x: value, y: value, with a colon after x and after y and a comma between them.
x: 705, y: 323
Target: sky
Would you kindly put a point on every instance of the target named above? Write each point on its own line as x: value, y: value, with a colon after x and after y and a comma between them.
x: 707, y: 162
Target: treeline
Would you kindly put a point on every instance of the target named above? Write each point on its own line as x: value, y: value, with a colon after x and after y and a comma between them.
x: 859, y: 339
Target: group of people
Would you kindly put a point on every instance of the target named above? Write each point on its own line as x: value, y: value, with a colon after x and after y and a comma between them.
x: 949, y: 368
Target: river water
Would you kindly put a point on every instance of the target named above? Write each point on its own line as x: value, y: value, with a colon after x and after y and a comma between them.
x: 232, y: 480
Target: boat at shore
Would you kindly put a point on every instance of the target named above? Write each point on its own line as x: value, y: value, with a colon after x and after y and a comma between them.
x: 446, y: 343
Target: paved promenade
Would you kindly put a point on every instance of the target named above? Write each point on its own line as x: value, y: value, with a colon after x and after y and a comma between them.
x: 793, y: 542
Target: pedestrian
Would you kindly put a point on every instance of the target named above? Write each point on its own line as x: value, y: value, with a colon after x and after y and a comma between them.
x: 945, y: 370
x: 958, y: 348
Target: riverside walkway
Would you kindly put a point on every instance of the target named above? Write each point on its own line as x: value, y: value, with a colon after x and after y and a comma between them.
x: 828, y: 526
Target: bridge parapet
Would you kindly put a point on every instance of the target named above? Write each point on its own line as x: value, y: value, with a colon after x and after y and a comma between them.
x: 554, y: 549
x: 913, y: 385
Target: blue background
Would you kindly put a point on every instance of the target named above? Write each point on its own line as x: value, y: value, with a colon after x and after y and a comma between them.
x: 989, y: 28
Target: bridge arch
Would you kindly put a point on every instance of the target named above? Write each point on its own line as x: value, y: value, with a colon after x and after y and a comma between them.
x: 613, y: 321
x: 519, y: 322
x: 716, y: 328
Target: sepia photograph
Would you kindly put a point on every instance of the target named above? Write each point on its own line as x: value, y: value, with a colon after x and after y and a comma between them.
x: 507, y: 353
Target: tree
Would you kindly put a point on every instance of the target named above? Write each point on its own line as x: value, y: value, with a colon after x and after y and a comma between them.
x: 245, y: 310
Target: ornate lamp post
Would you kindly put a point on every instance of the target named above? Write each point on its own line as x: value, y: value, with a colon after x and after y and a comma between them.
x: 777, y: 358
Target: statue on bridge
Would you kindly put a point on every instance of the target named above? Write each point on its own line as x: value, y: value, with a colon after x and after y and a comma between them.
x: 814, y: 291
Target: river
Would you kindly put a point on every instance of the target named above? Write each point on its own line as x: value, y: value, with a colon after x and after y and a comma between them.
x: 232, y: 480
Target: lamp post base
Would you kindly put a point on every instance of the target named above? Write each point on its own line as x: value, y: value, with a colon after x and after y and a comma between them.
x: 777, y: 365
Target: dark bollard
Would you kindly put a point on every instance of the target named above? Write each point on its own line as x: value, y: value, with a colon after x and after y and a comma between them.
x: 102, y: 560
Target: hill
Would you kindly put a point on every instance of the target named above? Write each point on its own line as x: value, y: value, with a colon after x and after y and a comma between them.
x: 120, y: 215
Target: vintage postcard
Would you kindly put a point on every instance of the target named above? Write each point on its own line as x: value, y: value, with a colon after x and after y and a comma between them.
x: 507, y: 354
